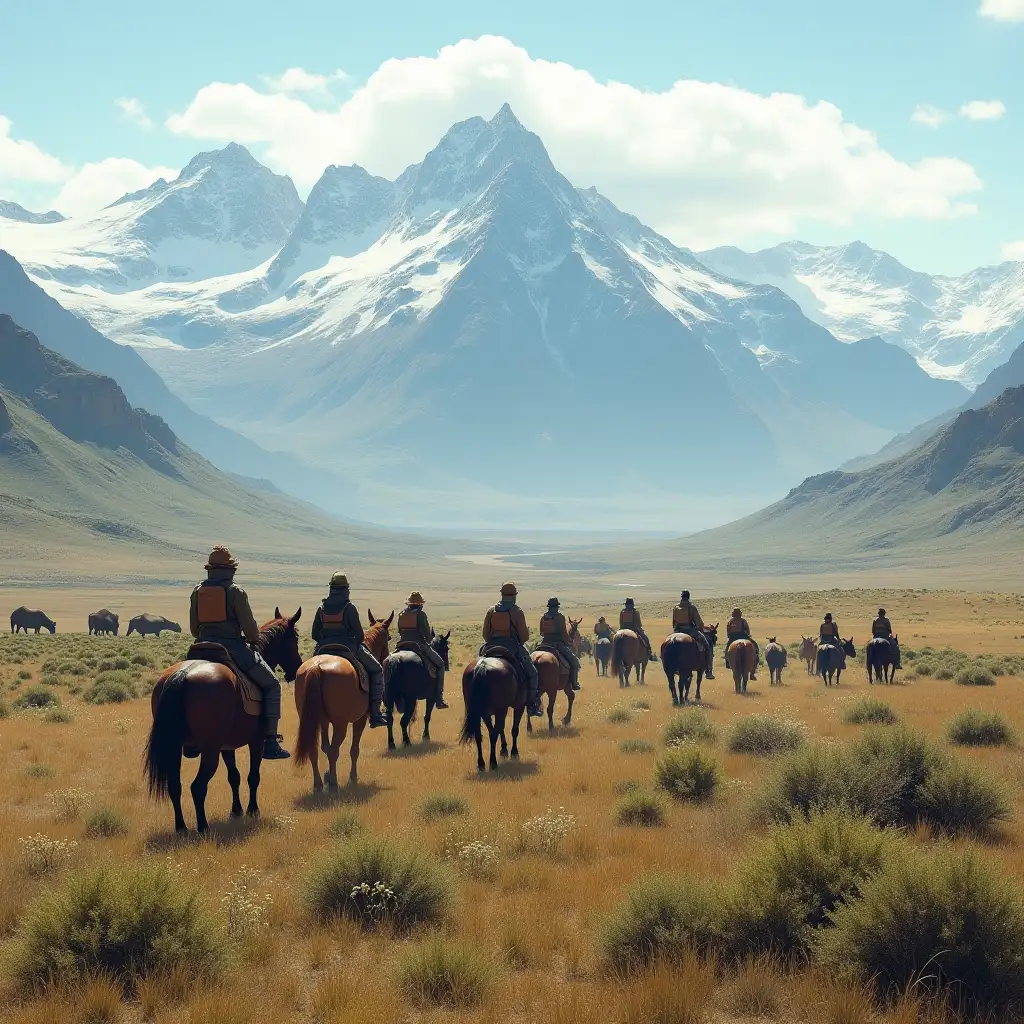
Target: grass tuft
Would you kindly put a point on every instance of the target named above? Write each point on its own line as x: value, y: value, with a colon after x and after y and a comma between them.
x: 688, y: 727
x: 975, y: 675
x: 765, y: 735
x: 440, y: 972
x: 636, y: 746
x: 870, y: 711
x: 105, y: 823
x: 442, y: 805
x: 975, y: 728
x: 687, y: 773
x: 640, y: 808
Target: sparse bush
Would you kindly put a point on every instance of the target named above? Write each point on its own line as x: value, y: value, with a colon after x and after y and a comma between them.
x: 443, y: 805
x: 755, y: 991
x: 69, y: 803
x: 975, y: 675
x: 633, y: 746
x: 958, y: 799
x: 477, y: 859
x: 925, y: 667
x: 944, y: 672
x: 142, y: 660
x: 37, y: 697
x: 620, y: 715
x: 640, y: 808
x: 545, y: 834
x: 346, y: 825
x: 343, y: 884
x: 687, y: 773
x: 641, y: 704
x: 44, y: 855
x: 974, y: 728
x: 246, y: 904
x: 5, y: 708
x: 440, y: 972
x: 626, y: 786
x: 870, y: 711
x: 105, y: 823
x: 947, y: 925
x: 58, y: 716
x: 111, y: 688
x: 902, y: 760
x: 676, y: 993
x: 765, y: 735
x: 39, y: 771
x: 128, y: 923
x: 689, y: 726
x: 24, y: 674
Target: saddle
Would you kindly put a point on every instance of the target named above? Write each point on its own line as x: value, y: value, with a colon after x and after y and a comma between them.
x: 217, y: 654
x: 502, y: 653
x: 413, y: 647
x: 341, y: 651
x: 563, y: 664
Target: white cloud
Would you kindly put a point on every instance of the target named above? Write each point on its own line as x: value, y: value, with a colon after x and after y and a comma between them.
x: 1014, y: 251
x: 925, y: 113
x: 983, y: 110
x: 298, y: 80
x: 134, y: 111
x: 96, y: 185
x: 23, y: 161
x: 703, y: 162
x: 1002, y: 10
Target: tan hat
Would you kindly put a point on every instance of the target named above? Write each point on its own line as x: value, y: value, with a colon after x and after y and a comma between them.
x: 736, y: 611
x: 339, y: 579
x: 220, y: 558
x: 415, y: 598
x: 508, y: 590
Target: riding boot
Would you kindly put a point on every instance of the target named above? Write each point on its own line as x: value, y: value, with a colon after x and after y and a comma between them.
x: 533, y: 708
x: 574, y: 680
x: 272, y: 749
x: 710, y: 674
x: 440, y: 702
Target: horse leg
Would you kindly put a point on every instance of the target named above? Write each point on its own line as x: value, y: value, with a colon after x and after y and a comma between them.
x: 517, y: 716
x: 429, y: 710
x: 410, y: 708
x: 570, y: 696
x: 700, y: 676
x: 480, y: 765
x: 234, y: 781
x: 174, y: 793
x: 357, y: 735
x: 499, y: 723
x: 340, y: 732
x: 201, y: 783
x: 325, y: 740
x: 255, y: 759
x: 495, y: 733
x: 389, y: 714
x: 551, y: 717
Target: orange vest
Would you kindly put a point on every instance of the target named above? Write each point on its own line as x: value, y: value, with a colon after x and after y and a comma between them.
x: 501, y: 625
x: 332, y: 618
x: 409, y: 619
x: 212, y: 605
x: 549, y: 626
x: 627, y: 617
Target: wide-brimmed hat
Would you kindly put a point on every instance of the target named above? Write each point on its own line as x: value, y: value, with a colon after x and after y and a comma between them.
x: 415, y: 598
x: 220, y: 558
x: 339, y: 579
x: 601, y: 619
x: 736, y: 611
x: 629, y: 602
x: 553, y: 602
x: 508, y: 590
x: 828, y: 615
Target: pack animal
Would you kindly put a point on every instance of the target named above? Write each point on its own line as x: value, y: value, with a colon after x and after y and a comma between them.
x: 775, y: 656
x: 407, y: 681
x: 152, y: 625
x: 103, y: 623
x: 26, y: 618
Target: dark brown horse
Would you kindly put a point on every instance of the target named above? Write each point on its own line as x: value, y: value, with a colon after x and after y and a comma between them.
x: 552, y: 679
x: 602, y: 654
x: 880, y: 660
x: 329, y: 699
x: 682, y: 657
x: 199, y: 703
x: 832, y: 659
x: 408, y: 681
x: 775, y: 656
x: 491, y: 689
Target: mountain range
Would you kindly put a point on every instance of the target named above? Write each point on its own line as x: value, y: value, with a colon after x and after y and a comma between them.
x: 477, y: 341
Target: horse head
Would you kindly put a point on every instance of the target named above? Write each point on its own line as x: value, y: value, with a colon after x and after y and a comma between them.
x: 279, y: 643
x: 440, y: 644
x: 378, y: 636
x: 772, y: 640
x: 849, y: 649
x: 711, y: 632
x: 574, y: 625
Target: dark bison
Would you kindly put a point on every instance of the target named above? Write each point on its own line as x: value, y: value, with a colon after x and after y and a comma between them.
x: 103, y: 622
x: 146, y: 624
x: 26, y: 619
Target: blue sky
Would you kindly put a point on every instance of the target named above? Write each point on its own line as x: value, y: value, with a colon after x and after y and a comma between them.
x: 67, y: 64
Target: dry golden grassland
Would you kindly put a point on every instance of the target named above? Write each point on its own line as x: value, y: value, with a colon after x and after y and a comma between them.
x: 534, y: 856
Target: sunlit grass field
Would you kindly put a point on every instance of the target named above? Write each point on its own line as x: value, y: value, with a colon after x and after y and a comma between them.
x: 521, y: 873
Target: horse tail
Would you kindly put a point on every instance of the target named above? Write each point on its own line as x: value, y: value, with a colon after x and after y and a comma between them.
x: 167, y: 734
x: 476, y: 706
x: 310, y: 715
x: 669, y: 657
x: 618, y: 653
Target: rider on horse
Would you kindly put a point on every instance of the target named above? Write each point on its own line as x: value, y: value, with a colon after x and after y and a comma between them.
x: 828, y: 633
x: 219, y: 613
x: 737, y: 628
x: 414, y: 628
x: 882, y: 627
x: 337, y: 622
x: 603, y: 629
x: 555, y: 633
x: 505, y: 626
x: 686, y: 619
x: 629, y: 618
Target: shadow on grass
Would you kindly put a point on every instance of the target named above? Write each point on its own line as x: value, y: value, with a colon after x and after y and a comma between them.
x: 508, y: 771
x: 360, y: 793
x: 418, y: 748
x: 227, y: 832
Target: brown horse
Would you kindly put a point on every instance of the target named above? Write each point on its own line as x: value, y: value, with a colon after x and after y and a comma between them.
x: 809, y: 653
x: 199, y: 703
x: 327, y: 694
x: 491, y: 689
x: 575, y: 639
x: 552, y: 679
x: 775, y: 656
x: 628, y: 653
x: 680, y: 656
x: 602, y: 654
x: 741, y: 660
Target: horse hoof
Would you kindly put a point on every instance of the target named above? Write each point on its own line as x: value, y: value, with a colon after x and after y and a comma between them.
x: 236, y: 814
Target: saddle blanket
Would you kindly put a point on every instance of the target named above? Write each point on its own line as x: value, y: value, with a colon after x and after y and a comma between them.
x: 252, y: 695
x: 340, y: 651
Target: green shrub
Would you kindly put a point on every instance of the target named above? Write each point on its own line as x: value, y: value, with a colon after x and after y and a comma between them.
x: 142, y: 660
x: 440, y: 972
x: 443, y: 805
x: 635, y: 746
x: 24, y: 674
x: 959, y: 800
x: 5, y: 708
x: 620, y: 716
x: 105, y: 823
x: 687, y: 773
x: 58, y: 716
x: 37, y: 697
x: 640, y: 808
x: 111, y: 688
x: 947, y: 925
x: 39, y: 771
x: 128, y: 923
x: 764, y: 735
x: 870, y: 711
x: 689, y: 726
x: 944, y: 672
x: 345, y: 826
x: 925, y: 667
x: 376, y: 882
x: 975, y: 675
x: 902, y: 760
x: 974, y: 728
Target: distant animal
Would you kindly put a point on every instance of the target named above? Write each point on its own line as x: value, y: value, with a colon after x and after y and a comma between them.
x: 775, y: 656
x: 147, y: 624
x: 809, y: 652
x: 329, y: 699
x: 408, y: 681
x: 629, y: 653
x: 711, y: 635
x: 880, y: 660
x: 553, y: 678
x: 25, y: 619
x: 681, y: 656
x: 742, y: 655
x: 103, y: 623
x: 199, y: 704
x: 602, y: 654
x: 575, y: 639
x: 491, y: 689
x: 830, y: 660
x: 586, y: 648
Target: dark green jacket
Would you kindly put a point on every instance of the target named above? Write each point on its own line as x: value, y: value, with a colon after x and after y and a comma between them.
x: 348, y: 632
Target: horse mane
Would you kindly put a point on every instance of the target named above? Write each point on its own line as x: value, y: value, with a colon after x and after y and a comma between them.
x: 271, y: 632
